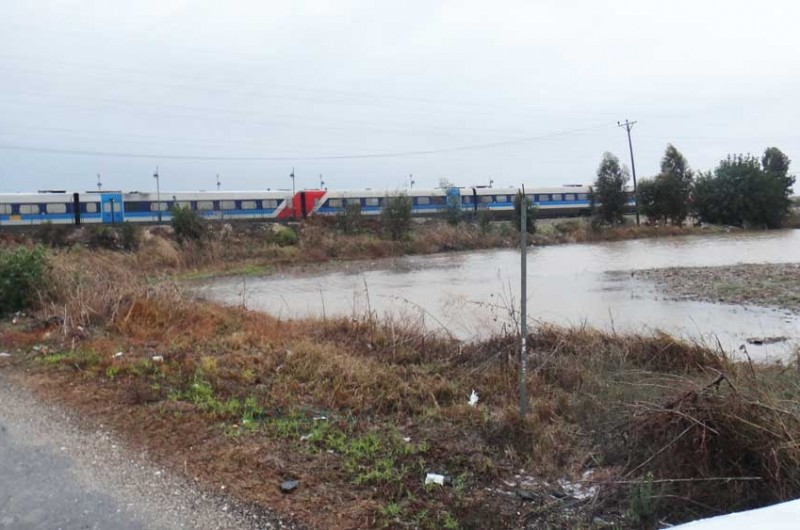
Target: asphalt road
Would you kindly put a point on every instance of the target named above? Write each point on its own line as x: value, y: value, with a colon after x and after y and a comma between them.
x: 56, y: 476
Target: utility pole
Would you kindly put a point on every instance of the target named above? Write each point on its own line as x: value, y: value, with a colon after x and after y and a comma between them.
x: 523, y: 306
x: 218, y: 182
x: 491, y: 181
x: 322, y: 182
x: 291, y: 176
x: 411, y: 181
x: 99, y: 184
x: 628, y: 125
x: 158, y: 194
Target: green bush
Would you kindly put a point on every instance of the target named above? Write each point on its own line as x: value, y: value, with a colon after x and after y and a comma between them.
x: 129, y: 235
x: 284, y: 236
x: 23, y: 273
x: 349, y: 219
x: 52, y: 235
x: 188, y: 225
x: 99, y: 236
x: 396, y: 216
x: 530, y: 217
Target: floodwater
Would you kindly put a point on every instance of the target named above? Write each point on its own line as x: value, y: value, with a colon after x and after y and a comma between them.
x: 470, y: 295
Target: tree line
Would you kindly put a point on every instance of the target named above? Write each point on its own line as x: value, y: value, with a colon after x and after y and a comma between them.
x: 741, y: 191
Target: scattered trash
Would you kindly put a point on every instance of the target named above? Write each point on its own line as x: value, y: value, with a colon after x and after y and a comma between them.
x: 119, y: 354
x: 158, y: 359
x: 435, y: 478
x: 473, y: 398
x: 320, y: 418
x: 407, y: 439
x: 759, y: 341
x: 5, y: 354
x: 305, y: 437
x: 288, y: 486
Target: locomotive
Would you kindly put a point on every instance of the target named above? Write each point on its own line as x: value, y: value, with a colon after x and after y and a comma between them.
x: 110, y: 207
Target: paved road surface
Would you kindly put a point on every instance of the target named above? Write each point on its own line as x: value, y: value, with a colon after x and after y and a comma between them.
x: 55, y: 476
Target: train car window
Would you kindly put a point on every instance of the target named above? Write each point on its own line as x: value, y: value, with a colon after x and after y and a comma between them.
x: 335, y: 203
x: 569, y: 197
x: 466, y: 199
x: 56, y: 207
x: 423, y: 200
x: 583, y: 196
x: 156, y: 206
x: 205, y: 205
x: 270, y: 204
x: 28, y: 209
x: 183, y: 204
x: 486, y: 199
x: 227, y: 205
x: 248, y: 205
x: 372, y: 201
x: 91, y: 207
x: 5, y: 209
x: 437, y: 200
x: 501, y: 198
x: 557, y: 197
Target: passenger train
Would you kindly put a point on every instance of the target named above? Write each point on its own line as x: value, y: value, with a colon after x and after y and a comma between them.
x: 62, y: 207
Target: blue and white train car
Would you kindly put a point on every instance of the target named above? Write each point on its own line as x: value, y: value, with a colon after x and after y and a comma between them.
x: 227, y: 205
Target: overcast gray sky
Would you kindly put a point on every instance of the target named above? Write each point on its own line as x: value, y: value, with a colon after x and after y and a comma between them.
x: 247, y: 89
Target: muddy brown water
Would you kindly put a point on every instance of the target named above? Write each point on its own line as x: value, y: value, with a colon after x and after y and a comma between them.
x: 470, y: 295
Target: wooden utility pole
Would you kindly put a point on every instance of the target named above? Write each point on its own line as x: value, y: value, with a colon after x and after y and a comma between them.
x: 523, y: 305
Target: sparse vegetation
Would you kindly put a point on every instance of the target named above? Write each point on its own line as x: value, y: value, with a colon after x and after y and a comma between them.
x: 368, y: 408
x: 396, y: 216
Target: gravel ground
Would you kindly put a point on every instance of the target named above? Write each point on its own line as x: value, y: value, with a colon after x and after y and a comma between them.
x: 768, y: 285
x: 54, y: 475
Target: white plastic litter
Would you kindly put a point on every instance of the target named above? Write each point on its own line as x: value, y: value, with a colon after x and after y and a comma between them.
x: 158, y: 359
x: 434, y: 478
x: 119, y: 354
x: 5, y: 354
x: 473, y: 398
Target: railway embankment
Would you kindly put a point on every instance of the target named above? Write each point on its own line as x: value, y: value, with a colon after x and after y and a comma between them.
x: 266, y: 248
x: 359, y: 422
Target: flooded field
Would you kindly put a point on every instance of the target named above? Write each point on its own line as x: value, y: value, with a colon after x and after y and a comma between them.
x: 471, y: 295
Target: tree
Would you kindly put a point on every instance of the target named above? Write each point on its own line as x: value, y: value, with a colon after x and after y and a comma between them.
x: 608, y: 197
x: 396, y: 216
x: 530, y: 214
x: 744, y: 191
x: 188, y: 225
x: 665, y: 199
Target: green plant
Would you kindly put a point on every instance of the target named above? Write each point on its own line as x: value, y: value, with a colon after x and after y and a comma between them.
x: 52, y: 235
x: 349, y: 220
x: 530, y: 214
x: 608, y: 196
x: 642, y: 501
x: 99, y: 236
x: 129, y: 235
x: 396, y: 216
x: 485, y: 219
x: 24, y: 272
x: 188, y: 225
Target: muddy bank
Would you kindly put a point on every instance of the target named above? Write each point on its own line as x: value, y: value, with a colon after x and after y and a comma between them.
x: 767, y: 285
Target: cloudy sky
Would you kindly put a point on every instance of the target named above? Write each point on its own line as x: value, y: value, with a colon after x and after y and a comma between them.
x: 368, y: 92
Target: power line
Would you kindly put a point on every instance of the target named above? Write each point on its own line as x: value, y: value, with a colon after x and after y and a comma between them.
x: 398, y: 154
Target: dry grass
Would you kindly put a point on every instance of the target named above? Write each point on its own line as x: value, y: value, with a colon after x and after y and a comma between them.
x: 640, y: 411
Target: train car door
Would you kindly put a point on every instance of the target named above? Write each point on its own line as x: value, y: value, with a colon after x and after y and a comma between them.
x: 112, y: 207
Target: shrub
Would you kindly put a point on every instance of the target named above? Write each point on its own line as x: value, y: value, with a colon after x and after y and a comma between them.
x: 396, y: 216
x: 349, y: 219
x: 485, y: 219
x: 99, y: 236
x: 129, y: 236
x: 284, y: 236
x: 51, y: 234
x: 530, y: 218
x: 23, y: 273
x: 188, y: 225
